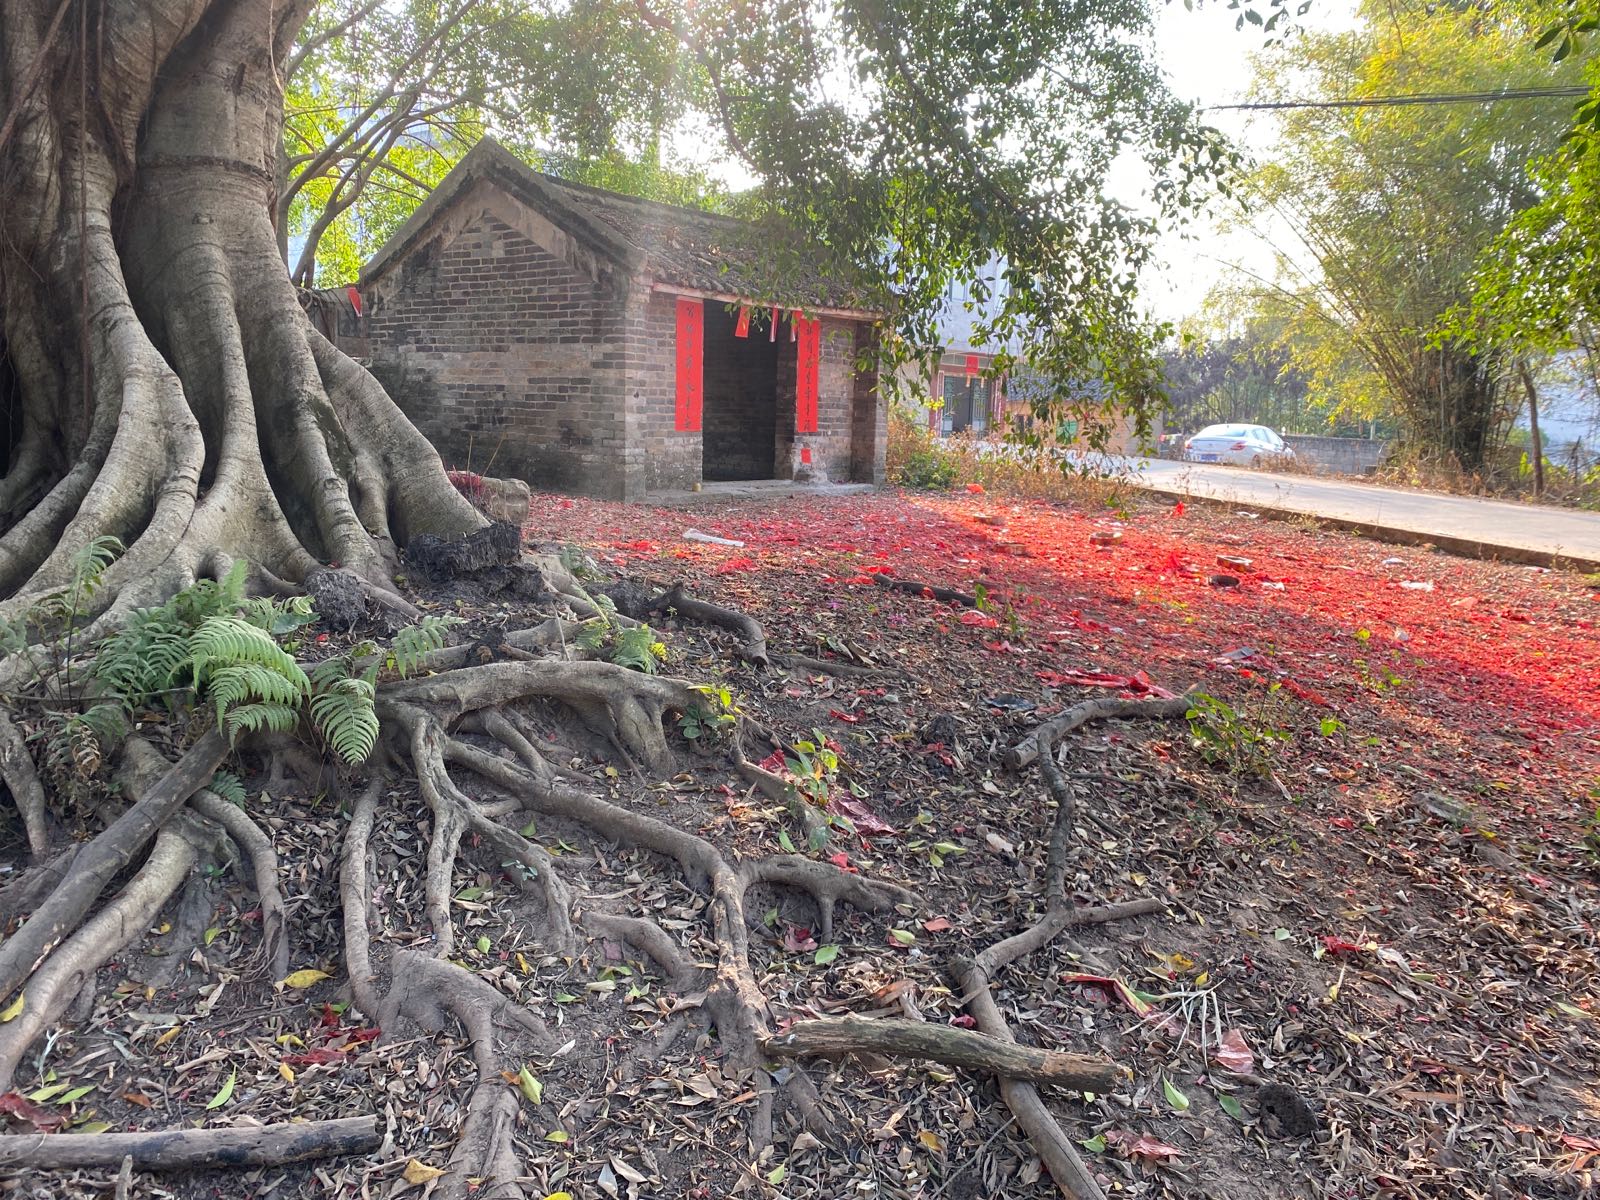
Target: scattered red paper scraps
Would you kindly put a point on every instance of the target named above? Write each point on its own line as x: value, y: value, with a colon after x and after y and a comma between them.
x: 867, y: 822
x: 1234, y: 1053
x: 1137, y: 684
x: 979, y: 620
x: 1334, y: 944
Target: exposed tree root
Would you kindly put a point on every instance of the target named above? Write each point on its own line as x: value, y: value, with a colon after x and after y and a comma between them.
x: 830, y: 1037
x: 257, y: 847
x: 22, y: 780
x: 110, y: 852
x: 813, y: 824
x: 57, y: 982
x: 1101, y: 709
x: 733, y: 999
x: 188, y: 1149
x: 754, y: 650
x: 930, y: 590
x: 835, y: 666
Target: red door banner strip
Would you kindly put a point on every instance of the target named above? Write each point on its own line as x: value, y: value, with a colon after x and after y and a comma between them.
x: 808, y: 363
x: 742, y: 329
x: 691, y: 365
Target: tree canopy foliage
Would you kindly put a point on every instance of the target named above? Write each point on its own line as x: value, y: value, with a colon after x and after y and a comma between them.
x: 916, y: 140
x: 1390, y: 209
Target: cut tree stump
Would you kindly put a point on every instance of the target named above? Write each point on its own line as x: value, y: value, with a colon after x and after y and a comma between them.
x: 945, y: 1044
x: 184, y: 1149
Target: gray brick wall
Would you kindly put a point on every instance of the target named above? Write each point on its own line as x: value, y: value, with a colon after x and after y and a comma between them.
x: 508, y: 359
x: 513, y: 362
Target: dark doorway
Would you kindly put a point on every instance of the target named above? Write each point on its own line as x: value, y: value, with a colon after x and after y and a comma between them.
x: 739, y: 422
x: 966, y: 404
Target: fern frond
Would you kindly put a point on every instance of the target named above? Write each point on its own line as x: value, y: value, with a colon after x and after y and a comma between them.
x: 229, y: 786
x: 89, y: 563
x: 592, y: 635
x: 330, y: 671
x: 252, y: 718
x: 227, y: 686
x: 345, y: 715
x: 415, y: 641
x: 229, y: 641
x: 278, y: 617
x: 639, y: 648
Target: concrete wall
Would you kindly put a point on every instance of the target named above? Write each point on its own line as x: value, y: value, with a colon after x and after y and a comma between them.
x: 1336, y: 455
x: 507, y: 357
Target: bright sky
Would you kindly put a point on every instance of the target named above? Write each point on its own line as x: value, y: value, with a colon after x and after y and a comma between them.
x: 1207, y: 60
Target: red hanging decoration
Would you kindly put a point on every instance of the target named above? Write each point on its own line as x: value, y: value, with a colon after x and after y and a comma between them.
x: 742, y: 329
x: 690, y: 365
x: 808, y: 365
x: 972, y: 367
x: 355, y: 299
x: 772, y: 334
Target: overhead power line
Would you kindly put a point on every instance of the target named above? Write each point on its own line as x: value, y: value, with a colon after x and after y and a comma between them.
x: 1528, y: 93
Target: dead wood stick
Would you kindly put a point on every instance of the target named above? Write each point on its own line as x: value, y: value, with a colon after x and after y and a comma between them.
x: 948, y: 595
x: 185, y: 1149
x: 835, y: 666
x: 1061, y: 1158
x: 746, y: 626
x: 835, y: 1036
x: 1104, y: 708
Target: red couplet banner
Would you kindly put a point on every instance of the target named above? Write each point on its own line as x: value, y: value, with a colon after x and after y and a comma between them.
x: 691, y: 365
x: 808, y: 366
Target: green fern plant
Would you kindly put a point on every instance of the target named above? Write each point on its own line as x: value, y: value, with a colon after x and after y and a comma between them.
x: 253, y: 682
x: 413, y: 643
x: 230, y: 787
x: 638, y: 647
x: 344, y: 707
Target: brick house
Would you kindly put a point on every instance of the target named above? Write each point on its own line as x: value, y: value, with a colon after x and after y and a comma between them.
x: 592, y: 342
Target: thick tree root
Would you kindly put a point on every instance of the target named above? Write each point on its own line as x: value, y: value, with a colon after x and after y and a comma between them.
x: 1102, y: 709
x: 112, y: 851
x: 257, y: 847
x: 832, y: 1037
x: 61, y: 977
x: 17, y: 772
x: 625, y: 705
x: 193, y: 1149
x: 754, y: 650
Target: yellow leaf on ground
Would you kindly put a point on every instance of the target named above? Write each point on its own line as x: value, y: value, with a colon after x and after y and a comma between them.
x: 304, y: 979
x: 169, y: 1035
x: 286, y: 1071
x: 14, y: 1009
x: 931, y: 1140
x: 420, y: 1172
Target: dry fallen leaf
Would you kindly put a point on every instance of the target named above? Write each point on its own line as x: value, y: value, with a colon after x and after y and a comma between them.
x: 931, y: 1140
x: 420, y: 1172
x: 304, y: 979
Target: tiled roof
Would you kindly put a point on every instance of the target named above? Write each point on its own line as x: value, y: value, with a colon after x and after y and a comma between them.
x: 678, y: 247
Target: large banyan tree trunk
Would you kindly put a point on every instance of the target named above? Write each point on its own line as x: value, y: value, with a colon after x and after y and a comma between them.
x: 171, y: 391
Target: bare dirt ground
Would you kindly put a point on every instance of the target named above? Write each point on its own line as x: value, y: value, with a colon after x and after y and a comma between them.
x: 1375, y: 975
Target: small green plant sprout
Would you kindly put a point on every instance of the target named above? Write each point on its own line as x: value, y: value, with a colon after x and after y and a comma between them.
x: 813, y: 769
x: 1239, y: 741
x: 712, y: 715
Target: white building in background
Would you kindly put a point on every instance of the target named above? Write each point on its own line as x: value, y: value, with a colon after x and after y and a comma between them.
x: 1569, y: 413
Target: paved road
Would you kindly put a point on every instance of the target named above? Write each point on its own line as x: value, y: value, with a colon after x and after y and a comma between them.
x: 1492, y: 528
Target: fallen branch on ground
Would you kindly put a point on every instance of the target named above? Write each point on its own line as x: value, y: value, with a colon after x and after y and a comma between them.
x: 1104, y: 709
x: 944, y: 1044
x: 187, y: 1149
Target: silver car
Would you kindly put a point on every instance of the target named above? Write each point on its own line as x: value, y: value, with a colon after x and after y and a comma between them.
x: 1238, y: 445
